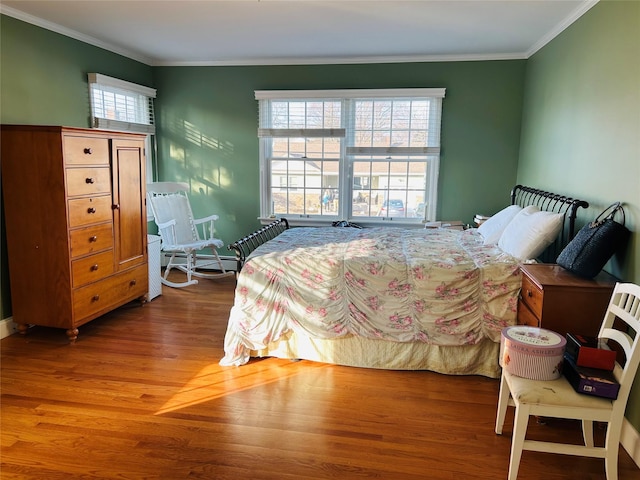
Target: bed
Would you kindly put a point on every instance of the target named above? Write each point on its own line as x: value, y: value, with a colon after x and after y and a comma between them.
x: 383, y: 297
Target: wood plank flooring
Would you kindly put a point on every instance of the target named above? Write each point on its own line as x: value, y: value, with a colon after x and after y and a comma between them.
x: 141, y: 396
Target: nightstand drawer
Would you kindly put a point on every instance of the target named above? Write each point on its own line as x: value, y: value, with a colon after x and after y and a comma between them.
x: 526, y: 316
x: 532, y: 296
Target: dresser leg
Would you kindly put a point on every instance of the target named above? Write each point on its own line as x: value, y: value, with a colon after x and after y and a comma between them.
x: 72, y: 334
x: 22, y: 328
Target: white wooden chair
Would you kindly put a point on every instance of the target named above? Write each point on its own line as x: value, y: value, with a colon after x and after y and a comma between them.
x: 183, y: 236
x: 557, y: 399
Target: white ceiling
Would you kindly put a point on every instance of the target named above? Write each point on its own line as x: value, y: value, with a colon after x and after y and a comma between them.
x: 263, y: 32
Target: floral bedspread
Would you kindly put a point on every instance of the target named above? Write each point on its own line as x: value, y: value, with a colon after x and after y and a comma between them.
x: 439, y: 286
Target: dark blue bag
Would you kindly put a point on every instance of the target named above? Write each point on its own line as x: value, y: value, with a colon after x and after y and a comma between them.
x: 595, y: 243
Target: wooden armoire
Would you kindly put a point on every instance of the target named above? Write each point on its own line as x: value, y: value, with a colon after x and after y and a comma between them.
x: 76, y: 226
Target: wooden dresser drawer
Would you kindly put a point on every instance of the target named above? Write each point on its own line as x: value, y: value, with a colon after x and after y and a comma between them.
x: 91, y: 239
x: 89, y: 210
x: 532, y: 296
x: 93, y: 268
x: 88, y: 181
x: 86, y: 150
x: 100, y: 296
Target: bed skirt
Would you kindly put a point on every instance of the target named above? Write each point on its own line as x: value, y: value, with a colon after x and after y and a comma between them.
x: 478, y: 359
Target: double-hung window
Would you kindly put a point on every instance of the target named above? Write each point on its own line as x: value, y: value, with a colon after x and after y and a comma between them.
x: 363, y: 155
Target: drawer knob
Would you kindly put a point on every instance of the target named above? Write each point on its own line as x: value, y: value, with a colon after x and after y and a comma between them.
x: 88, y: 151
x: 529, y: 293
x: 95, y: 298
x: 132, y: 282
x: 88, y: 180
x: 94, y: 267
x: 93, y: 239
x: 115, y: 207
x: 91, y: 210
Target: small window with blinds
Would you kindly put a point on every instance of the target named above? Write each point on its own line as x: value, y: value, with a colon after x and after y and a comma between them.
x: 363, y: 155
x: 120, y: 105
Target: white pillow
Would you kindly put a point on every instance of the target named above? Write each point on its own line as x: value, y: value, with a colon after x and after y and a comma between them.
x: 492, y: 228
x: 530, y: 232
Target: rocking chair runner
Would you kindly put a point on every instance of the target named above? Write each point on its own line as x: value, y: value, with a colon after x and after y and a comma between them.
x: 183, y: 235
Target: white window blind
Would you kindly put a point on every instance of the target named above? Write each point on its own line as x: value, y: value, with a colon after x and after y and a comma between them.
x: 120, y: 105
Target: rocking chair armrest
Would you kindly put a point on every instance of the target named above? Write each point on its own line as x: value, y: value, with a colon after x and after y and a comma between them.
x: 210, y: 218
x: 206, y: 230
x: 167, y: 230
x: 168, y: 224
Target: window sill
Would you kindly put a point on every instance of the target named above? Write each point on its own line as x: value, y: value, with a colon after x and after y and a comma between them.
x: 326, y: 222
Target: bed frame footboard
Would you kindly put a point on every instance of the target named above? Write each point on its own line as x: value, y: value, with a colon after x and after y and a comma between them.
x: 243, y: 247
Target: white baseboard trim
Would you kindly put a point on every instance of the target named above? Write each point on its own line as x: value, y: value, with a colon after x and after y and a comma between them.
x: 7, y: 327
x: 630, y: 440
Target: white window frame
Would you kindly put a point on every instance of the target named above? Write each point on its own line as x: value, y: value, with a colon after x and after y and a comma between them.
x: 135, y: 115
x: 432, y: 152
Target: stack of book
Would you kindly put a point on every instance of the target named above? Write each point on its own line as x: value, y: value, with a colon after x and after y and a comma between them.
x: 480, y: 219
x: 588, y: 365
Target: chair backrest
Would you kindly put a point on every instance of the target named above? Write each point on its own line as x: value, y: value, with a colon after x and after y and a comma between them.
x: 622, y: 325
x: 169, y: 201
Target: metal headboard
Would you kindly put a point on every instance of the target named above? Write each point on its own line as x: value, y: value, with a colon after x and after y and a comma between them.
x: 551, y: 202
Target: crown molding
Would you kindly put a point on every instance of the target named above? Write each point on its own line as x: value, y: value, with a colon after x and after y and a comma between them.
x: 345, y: 60
x: 562, y: 26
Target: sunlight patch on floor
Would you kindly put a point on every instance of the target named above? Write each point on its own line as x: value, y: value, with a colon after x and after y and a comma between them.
x: 214, y: 381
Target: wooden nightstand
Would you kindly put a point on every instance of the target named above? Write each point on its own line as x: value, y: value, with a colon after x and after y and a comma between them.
x: 558, y: 300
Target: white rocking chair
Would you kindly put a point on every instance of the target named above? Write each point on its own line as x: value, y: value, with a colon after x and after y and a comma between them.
x: 182, y: 236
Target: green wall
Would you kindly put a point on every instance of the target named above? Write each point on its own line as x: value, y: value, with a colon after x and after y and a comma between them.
x: 581, y: 124
x: 43, y: 75
x: 207, y: 129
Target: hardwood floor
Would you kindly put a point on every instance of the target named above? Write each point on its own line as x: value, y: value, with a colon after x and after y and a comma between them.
x: 141, y: 396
